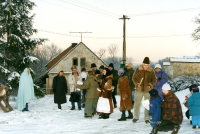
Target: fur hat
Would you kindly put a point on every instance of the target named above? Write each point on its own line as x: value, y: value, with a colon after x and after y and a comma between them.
x: 111, y: 65
x: 101, y: 67
x: 146, y: 60
x: 130, y: 65
x: 166, y: 86
x: 93, y: 65
x: 194, y: 88
x: 157, y: 66
x: 153, y: 93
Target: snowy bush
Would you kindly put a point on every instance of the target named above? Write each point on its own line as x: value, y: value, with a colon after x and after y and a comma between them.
x: 182, y: 82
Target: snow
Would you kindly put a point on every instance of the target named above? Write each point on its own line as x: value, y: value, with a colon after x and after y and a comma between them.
x: 13, y: 75
x: 33, y: 58
x: 45, y: 118
x: 4, y: 70
x: 186, y: 59
x: 166, y: 63
x: 1, y: 55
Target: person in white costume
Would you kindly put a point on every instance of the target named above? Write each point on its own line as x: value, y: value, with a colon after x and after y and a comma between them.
x: 25, y: 91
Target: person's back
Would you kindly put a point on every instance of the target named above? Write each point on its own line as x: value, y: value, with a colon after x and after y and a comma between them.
x: 194, y: 106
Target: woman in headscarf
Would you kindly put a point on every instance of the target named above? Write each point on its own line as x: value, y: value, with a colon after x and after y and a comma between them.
x: 105, y: 106
x: 125, y: 95
x: 25, y: 91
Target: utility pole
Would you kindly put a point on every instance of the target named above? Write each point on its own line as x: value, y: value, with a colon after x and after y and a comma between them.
x: 81, y: 33
x: 124, y: 38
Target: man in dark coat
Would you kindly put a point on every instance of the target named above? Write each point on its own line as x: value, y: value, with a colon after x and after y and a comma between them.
x: 114, y: 82
x: 131, y: 84
x: 60, y: 89
x: 94, y: 68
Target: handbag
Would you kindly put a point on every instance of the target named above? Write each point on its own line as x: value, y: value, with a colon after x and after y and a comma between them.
x: 74, y: 97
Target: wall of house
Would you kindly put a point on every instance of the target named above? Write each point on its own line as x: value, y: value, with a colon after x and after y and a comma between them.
x: 67, y: 62
x: 182, y: 68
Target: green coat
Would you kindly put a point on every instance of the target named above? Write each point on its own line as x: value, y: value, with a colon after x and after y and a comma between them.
x: 130, y: 75
x: 91, y: 86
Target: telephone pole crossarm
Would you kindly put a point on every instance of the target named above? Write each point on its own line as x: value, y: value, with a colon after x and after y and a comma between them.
x: 81, y: 33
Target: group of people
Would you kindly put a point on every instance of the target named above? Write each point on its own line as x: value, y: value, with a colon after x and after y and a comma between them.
x: 98, y: 89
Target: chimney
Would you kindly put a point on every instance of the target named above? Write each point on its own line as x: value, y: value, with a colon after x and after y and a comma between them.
x: 74, y: 44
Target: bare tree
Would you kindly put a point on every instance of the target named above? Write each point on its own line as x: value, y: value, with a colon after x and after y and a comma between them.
x: 196, y: 33
x: 45, y: 53
x: 113, y: 50
x: 101, y: 53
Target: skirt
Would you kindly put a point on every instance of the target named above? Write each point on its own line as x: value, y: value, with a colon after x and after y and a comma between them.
x: 103, y: 105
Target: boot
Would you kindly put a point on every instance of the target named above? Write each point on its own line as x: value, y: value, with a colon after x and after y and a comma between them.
x: 105, y: 116
x: 59, y: 106
x: 123, y: 117
x: 26, y: 108
x: 153, y: 131
x: 130, y: 115
x: 115, y: 105
x: 175, y: 130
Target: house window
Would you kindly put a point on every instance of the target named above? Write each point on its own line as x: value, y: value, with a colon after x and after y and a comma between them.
x: 83, y: 62
x: 75, y: 62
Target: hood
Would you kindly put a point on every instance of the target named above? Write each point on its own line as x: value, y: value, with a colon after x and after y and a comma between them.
x: 196, y: 95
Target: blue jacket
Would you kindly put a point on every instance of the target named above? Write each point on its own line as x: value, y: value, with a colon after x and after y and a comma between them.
x: 194, y: 104
x: 162, y: 78
x: 155, y: 108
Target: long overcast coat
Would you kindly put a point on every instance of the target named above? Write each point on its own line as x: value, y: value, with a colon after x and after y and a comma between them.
x: 59, y: 89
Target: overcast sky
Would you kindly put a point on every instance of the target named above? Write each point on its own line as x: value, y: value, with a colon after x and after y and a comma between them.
x: 148, y: 18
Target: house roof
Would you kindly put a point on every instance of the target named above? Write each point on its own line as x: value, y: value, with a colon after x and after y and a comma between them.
x: 185, y: 59
x: 58, y: 58
x: 166, y: 63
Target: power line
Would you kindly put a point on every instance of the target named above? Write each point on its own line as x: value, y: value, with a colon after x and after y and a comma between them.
x: 157, y: 36
x: 99, y: 11
x: 163, y: 12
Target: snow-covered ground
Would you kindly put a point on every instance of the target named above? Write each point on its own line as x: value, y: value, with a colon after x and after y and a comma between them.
x: 45, y: 118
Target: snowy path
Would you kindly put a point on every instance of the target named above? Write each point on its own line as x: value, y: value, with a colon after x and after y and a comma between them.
x: 45, y: 118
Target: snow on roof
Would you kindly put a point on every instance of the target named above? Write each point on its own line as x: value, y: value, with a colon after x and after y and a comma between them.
x: 13, y: 75
x: 1, y: 55
x: 185, y: 59
x: 166, y: 63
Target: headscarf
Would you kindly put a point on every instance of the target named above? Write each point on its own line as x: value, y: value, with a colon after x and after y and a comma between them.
x: 108, y: 72
x: 121, y: 72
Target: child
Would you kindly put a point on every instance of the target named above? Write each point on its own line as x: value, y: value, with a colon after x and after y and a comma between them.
x: 154, y: 110
x: 186, y: 103
x: 194, y: 105
x: 172, y: 111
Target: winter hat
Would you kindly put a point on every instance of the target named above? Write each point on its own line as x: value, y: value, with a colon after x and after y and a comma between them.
x: 153, y: 93
x: 111, y: 65
x: 101, y: 67
x: 108, y: 72
x: 146, y: 60
x: 130, y: 65
x: 122, y: 66
x: 166, y: 86
x: 194, y: 88
x: 93, y: 65
x: 157, y: 66
x: 121, y: 71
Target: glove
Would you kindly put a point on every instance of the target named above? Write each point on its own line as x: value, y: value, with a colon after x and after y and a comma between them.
x: 159, y: 78
x: 150, y: 117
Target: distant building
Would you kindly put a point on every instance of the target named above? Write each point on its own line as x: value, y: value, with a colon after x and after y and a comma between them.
x: 187, y: 65
x: 75, y: 55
